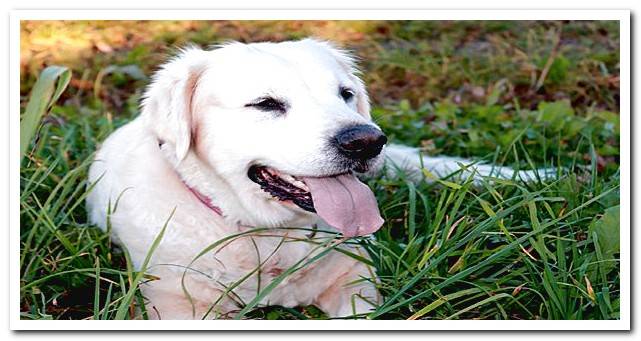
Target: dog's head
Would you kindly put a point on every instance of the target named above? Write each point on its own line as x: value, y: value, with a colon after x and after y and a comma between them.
x: 280, y: 128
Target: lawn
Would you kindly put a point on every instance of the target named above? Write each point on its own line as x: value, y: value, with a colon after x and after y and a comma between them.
x: 521, y: 94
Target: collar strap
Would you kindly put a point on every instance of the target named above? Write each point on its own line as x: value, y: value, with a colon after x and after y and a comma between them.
x: 204, y: 199
x: 201, y: 197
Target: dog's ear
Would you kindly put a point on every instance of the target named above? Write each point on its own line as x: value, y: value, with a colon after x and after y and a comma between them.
x: 347, y: 61
x: 169, y: 102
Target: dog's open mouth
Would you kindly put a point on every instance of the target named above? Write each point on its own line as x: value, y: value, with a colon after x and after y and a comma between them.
x: 341, y: 200
x: 282, y: 186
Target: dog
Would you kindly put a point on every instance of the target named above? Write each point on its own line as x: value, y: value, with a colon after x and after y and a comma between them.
x: 248, y: 158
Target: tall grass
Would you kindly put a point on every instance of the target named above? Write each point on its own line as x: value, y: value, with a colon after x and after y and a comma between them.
x: 57, y: 252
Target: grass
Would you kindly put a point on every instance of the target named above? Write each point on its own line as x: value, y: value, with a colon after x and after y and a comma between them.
x: 521, y: 94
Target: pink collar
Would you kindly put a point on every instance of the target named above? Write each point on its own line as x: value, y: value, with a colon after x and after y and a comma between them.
x: 204, y: 199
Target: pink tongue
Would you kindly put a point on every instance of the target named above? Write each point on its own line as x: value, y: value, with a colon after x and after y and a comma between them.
x: 346, y: 204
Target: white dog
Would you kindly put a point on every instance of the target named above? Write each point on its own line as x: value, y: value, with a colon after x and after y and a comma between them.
x: 245, y: 136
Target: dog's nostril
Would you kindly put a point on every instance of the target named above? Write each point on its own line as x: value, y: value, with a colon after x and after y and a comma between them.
x: 360, y: 142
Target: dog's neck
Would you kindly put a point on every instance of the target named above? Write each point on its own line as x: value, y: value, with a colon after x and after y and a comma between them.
x: 211, y: 189
x: 192, y: 172
x: 207, y: 201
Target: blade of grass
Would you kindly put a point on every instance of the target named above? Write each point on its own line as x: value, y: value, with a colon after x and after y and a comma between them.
x: 96, y: 297
x: 52, y: 81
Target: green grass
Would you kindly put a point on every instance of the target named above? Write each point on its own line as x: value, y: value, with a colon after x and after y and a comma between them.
x: 520, y: 94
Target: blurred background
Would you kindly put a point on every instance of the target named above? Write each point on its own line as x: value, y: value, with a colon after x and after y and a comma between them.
x: 433, y: 69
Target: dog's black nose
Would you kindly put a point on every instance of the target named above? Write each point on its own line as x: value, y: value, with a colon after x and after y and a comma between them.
x: 360, y: 142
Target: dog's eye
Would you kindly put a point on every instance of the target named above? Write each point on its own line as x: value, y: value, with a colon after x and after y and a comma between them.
x: 346, y: 94
x: 269, y: 104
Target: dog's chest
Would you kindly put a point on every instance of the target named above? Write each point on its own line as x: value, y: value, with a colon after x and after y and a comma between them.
x: 254, y: 261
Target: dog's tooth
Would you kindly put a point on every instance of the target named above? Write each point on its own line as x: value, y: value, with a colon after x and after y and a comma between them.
x: 292, y: 180
x: 287, y: 178
x: 300, y: 185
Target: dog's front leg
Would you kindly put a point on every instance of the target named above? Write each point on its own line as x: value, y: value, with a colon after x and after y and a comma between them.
x: 352, y: 293
x: 167, y: 301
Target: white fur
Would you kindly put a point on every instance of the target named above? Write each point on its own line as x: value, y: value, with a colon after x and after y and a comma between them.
x: 410, y: 161
x: 195, y: 109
